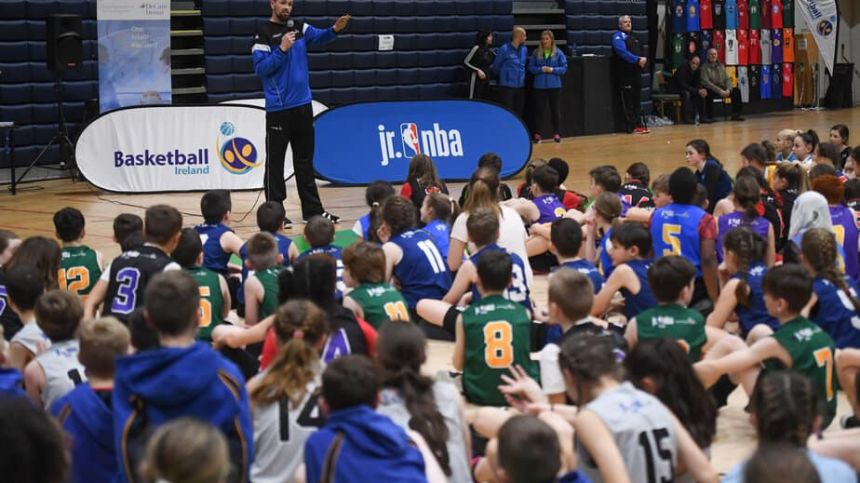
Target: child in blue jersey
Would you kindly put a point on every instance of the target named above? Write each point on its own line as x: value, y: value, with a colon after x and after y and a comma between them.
x: 219, y: 241
x: 566, y: 244
x: 709, y: 172
x: 742, y: 294
x: 85, y: 413
x: 438, y: 212
x: 631, y: 252
x: 681, y: 228
x: 375, y: 194
x: 319, y: 233
x: 606, y: 208
x: 834, y: 306
x: 483, y: 229
x: 181, y: 378
x: 844, y: 222
x: 411, y: 256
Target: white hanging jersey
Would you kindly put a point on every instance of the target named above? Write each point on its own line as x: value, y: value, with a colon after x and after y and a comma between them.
x: 280, y: 432
x: 731, y: 47
x: 644, y: 433
x: 744, y: 83
x: 62, y: 369
x: 766, y: 46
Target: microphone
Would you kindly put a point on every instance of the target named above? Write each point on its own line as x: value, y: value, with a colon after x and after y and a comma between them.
x: 292, y: 27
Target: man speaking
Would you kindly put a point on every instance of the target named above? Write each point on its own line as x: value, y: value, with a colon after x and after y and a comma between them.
x: 281, y: 62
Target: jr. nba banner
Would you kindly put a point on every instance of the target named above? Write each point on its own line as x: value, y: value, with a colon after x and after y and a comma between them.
x: 134, y: 53
x: 822, y: 18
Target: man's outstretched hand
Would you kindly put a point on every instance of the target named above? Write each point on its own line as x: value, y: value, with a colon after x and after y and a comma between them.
x: 341, y: 23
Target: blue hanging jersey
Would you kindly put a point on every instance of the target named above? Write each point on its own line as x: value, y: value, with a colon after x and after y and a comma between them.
x: 776, y: 51
x: 604, y: 245
x: 679, y: 16
x: 731, y: 14
x: 519, y: 290
x: 765, y: 82
x: 283, y: 242
x: 644, y: 300
x: 845, y: 228
x: 441, y: 234
x: 214, y: 257
x: 335, y: 253
x: 675, y: 231
x: 728, y: 222
x: 835, y: 313
x: 550, y: 208
x: 692, y: 15
x: 756, y: 313
x: 588, y: 269
x: 422, y: 272
x: 705, y: 44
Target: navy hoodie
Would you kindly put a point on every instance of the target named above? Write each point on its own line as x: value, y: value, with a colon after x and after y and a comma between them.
x: 88, y: 420
x: 373, y: 449
x: 153, y: 387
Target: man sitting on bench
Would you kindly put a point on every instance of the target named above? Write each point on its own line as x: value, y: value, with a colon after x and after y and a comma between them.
x: 716, y: 81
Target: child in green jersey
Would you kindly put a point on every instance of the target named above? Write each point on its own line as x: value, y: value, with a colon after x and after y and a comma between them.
x: 798, y: 344
x: 214, y: 292
x: 261, y: 288
x: 80, y: 265
x: 371, y: 298
x: 493, y: 334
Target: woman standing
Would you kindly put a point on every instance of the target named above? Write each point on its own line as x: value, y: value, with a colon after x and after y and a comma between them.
x: 480, y: 60
x: 548, y: 64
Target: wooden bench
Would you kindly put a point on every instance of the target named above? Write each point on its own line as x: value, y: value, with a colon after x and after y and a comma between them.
x: 672, y: 100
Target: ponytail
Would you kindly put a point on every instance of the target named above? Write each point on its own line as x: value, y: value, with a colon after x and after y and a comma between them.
x: 749, y: 248
x: 747, y: 193
x: 820, y: 250
x: 444, y: 207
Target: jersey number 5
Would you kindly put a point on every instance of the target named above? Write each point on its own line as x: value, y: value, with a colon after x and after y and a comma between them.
x: 498, y: 339
x: 670, y: 237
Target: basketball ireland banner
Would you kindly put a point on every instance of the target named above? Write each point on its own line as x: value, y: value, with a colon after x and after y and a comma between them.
x: 133, y: 53
x: 822, y: 18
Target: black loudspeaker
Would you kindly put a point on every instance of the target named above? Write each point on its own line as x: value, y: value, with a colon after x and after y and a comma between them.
x: 65, y: 48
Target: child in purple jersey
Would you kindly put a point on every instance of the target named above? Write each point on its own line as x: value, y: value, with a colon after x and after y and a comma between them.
x: 747, y: 201
x: 542, y: 209
x: 844, y: 221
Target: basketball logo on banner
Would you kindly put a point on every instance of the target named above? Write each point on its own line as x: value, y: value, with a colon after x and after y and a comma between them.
x: 237, y: 155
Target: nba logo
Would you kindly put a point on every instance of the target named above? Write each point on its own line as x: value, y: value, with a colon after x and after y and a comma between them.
x: 409, y: 136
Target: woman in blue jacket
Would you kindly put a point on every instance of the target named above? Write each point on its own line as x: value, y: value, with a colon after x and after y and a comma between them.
x: 548, y: 64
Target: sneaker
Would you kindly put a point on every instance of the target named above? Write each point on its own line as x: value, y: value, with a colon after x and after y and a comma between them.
x: 849, y: 421
x: 536, y: 138
x: 556, y: 138
x: 288, y: 223
x: 641, y: 130
x: 328, y: 216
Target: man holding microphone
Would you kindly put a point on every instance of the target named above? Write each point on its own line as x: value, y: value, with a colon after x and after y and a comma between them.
x: 280, y: 60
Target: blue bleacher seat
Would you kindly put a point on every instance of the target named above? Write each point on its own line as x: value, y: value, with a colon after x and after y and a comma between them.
x: 406, y: 59
x: 450, y: 57
x: 218, y: 8
x: 386, y: 60
x: 360, y: 25
x: 217, y: 46
x: 591, y: 7
x: 341, y: 60
x: 24, y: 137
x: 576, y: 37
x: 407, y: 76
x: 387, y: 93
x: 43, y: 134
x: 467, y: 24
x: 21, y: 115
x: 383, y: 8
x: 342, y: 78
x: 365, y: 94
x: 15, y: 72
x: 402, y: 8
x: 409, y: 92
x: 406, y: 25
x: 337, y: 7
x: 14, y: 51
x: 219, y: 83
x: 243, y: 27
x: 74, y: 7
x: 502, y: 7
x: 425, y: 8
x: 13, y: 10
x: 218, y: 64
x: 342, y: 95
x: 361, y: 8
x: 320, y: 80
x: 483, y: 8
x: 383, y: 25
x: 246, y: 82
x: 89, y: 29
x: 35, y: 30
x: 319, y: 60
x: 364, y: 60
x: 465, y: 7
x: 216, y: 26
x: 444, y: 7
x: 39, y: 9
x: 406, y: 41
x: 243, y: 63
x: 574, y: 7
x: 366, y: 77
x: 13, y: 30
x: 304, y: 9
x: 429, y: 58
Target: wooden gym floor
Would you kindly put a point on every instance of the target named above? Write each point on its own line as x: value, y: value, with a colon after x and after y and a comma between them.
x: 30, y: 212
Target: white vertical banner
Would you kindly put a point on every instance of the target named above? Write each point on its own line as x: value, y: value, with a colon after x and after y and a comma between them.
x: 134, y: 53
x: 822, y: 18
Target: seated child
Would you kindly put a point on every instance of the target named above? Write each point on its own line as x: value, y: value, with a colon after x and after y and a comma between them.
x: 371, y: 298
x: 270, y: 219
x: 24, y: 287
x: 214, y: 292
x: 789, y: 182
x: 570, y: 199
x: 319, y: 233
x: 261, y: 288
x: 745, y: 213
x: 128, y: 231
x: 421, y: 180
x: 175, y: 450
x: 606, y: 208
x: 631, y: 249
x: 798, y: 344
x: 710, y: 172
x: 55, y: 372
x: 219, y: 241
x: 606, y: 179
x: 375, y: 194
x: 494, y: 162
x: 492, y: 335
x: 9, y: 242
x: 660, y: 197
x: 844, y: 222
x: 784, y: 144
x: 544, y: 207
x: 438, y: 213
x: 85, y: 413
x: 635, y: 190
x: 566, y: 244
x: 80, y: 266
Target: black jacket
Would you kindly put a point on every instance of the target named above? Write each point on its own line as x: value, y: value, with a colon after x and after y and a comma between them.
x: 686, y: 79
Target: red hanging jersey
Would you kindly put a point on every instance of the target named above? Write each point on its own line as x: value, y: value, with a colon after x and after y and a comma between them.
x: 766, y: 13
x: 787, y: 80
x: 743, y: 15
x: 788, y: 45
x: 706, y: 15
x: 743, y: 47
x: 755, y: 47
x: 719, y: 43
x: 776, y: 14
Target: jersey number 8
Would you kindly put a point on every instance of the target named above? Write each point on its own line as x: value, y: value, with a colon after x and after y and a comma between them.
x: 498, y: 339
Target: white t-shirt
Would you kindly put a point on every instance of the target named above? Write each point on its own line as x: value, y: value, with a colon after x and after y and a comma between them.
x: 512, y: 235
x: 551, y: 379
x: 31, y: 337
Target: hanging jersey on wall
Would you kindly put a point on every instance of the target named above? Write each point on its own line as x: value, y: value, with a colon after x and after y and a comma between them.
x: 743, y: 15
x: 692, y: 44
x: 731, y: 47
x: 743, y: 47
x: 765, y: 82
x: 744, y: 84
x: 692, y: 15
x: 731, y: 14
x: 776, y: 14
x: 719, y: 43
x: 719, y: 14
x: 776, y: 51
x: 766, y: 47
x: 787, y: 45
x: 732, y: 74
x: 679, y: 18
x: 755, y: 14
x: 755, y: 47
x: 706, y: 43
x: 788, y: 81
x: 706, y: 14
x: 788, y: 14
x: 776, y: 81
x: 678, y: 50
x: 765, y: 14
x: 755, y: 82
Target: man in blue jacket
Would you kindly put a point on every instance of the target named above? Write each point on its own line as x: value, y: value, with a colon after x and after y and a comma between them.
x: 281, y: 62
x: 628, y: 63
x: 182, y: 378
x: 510, y: 67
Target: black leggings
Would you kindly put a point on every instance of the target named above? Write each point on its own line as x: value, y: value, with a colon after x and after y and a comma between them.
x: 553, y: 97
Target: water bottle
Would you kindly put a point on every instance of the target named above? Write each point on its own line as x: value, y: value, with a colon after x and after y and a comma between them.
x: 697, y: 118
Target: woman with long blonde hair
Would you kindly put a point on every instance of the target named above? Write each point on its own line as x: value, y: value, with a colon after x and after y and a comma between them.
x: 548, y: 64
